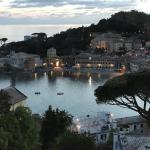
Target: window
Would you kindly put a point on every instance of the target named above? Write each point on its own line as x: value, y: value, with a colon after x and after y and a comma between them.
x: 141, y: 125
x: 134, y: 127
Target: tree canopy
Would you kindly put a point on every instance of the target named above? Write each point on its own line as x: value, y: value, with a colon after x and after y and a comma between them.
x: 18, y: 130
x: 74, y: 141
x: 54, y: 123
x: 128, y: 91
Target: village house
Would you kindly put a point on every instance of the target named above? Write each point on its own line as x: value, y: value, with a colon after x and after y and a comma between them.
x: 16, y: 98
x: 24, y: 61
x: 98, y: 127
x: 132, y: 133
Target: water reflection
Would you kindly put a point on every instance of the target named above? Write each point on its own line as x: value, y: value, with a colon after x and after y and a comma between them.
x: 78, y: 89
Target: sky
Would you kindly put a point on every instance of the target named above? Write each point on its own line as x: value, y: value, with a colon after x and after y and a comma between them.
x: 65, y: 11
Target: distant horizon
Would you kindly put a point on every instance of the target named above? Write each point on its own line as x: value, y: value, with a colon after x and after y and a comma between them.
x: 14, y: 12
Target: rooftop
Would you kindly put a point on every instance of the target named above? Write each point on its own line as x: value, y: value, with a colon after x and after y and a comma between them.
x: 15, y: 95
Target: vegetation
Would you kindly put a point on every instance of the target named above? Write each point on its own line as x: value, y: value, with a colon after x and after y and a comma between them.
x: 18, y: 131
x: 74, y: 40
x: 74, y: 141
x: 4, y: 104
x: 54, y: 123
x: 130, y: 91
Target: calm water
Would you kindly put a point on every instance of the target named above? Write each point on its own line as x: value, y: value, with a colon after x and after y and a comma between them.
x: 78, y: 88
x: 17, y: 32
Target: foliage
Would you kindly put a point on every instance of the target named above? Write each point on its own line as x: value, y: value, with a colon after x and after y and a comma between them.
x: 4, y: 102
x: 128, y: 91
x: 54, y: 123
x: 18, y: 131
x: 74, y: 141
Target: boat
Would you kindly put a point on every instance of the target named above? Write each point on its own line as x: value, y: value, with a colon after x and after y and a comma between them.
x: 60, y: 93
x: 37, y: 93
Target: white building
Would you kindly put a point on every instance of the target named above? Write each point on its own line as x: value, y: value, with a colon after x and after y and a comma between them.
x: 97, y: 127
x: 18, y: 60
x: 51, y: 53
x: 3, y: 62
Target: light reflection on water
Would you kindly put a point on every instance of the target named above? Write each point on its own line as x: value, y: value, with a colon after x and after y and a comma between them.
x: 78, y: 89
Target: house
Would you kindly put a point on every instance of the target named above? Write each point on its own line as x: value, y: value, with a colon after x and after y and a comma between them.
x: 16, y: 98
x: 98, y: 127
x: 131, y: 141
x: 133, y: 124
x: 132, y: 133
x: 24, y: 61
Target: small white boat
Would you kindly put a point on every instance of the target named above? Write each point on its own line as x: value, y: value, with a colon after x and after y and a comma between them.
x: 60, y: 93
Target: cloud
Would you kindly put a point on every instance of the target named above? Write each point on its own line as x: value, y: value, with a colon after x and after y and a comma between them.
x: 71, y: 11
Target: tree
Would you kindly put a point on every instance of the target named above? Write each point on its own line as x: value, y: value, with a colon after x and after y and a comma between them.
x: 74, y: 141
x: 4, y: 102
x: 54, y: 123
x: 18, y: 131
x: 4, y: 40
x: 128, y: 91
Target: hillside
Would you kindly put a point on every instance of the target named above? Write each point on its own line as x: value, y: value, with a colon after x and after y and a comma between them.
x: 75, y: 40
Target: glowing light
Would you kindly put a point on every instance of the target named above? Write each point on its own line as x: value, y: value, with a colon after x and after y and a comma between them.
x: 90, y: 80
x: 35, y: 65
x: 88, y: 65
x: 99, y: 65
x: 44, y: 64
x: 57, y: 63
x: 112, y: 65
x: 78, y: 127
x: 35, y: 75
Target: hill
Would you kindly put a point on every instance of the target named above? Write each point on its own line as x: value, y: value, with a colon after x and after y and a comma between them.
x: 74, y: 40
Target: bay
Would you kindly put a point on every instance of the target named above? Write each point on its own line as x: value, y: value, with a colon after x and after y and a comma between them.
x: 78, y: 88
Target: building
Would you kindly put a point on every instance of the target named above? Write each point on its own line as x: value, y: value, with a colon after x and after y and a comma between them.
x: 24, y: 61
x: 131, y: 141
x: 134, y: 124
x: 87, y: 60
x: 51, y: 53
x: 132, y: 133
x: 16, y: 98
x: 29, y: 37
x: 3, y: 62
x: 52, y: 59
x: 98, y: 127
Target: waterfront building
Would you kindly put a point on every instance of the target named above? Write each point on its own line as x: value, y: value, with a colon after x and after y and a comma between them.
x: 16, y: 98
x: 52, y: 59
x: 24, y: 61
x: 137, y: 44
x: 128, y: 45
x: 51, y: 53
x: 3, y: 62
x: 87, y: 60
x: 98, y: 127
x: 68, y: 61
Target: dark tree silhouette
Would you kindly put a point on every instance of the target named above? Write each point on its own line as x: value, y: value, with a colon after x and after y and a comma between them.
x: 128, y: 91
x: 54, y: 123
x: 4, y: 102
